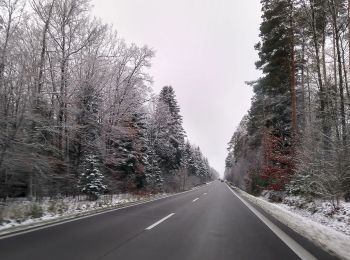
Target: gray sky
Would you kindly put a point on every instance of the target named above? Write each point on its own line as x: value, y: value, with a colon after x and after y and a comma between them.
x: 205, y: 50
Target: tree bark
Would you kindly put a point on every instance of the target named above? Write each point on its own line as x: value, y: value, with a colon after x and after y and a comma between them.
x: 292, y: 73
x: 340, y: 72
x: 325, y: 128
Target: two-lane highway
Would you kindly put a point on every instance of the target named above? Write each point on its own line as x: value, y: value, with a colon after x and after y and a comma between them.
x: 206, y: 223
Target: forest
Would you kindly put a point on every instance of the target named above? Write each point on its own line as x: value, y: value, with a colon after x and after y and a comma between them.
x: 295, y: 138
x: 77, y: 111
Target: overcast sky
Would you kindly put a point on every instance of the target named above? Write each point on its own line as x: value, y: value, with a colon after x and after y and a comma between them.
x: 205, y: 50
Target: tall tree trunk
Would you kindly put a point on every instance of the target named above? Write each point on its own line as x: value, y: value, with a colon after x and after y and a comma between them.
x: 39, y: 111
x: 43, y: 50
x: 349, y: 30
x: 309, y: 94
x: 324, y: 72
x: 335, y: 87
x: 345, y: 70
x: 303, y: 80
x: 334, y: 9
x: 325, y: 127
x: 292, y: 73
x: 63, y: 94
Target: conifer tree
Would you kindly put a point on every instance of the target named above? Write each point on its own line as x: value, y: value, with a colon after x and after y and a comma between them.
x: 274, y: 105
x: 131, y: 151
x: 91, y: 178
x: 274, y: 52
x: 189, y: 159
x: 90, y: 166
x: 170, y: 137
x: 153, y: 172
x: 278, y: 160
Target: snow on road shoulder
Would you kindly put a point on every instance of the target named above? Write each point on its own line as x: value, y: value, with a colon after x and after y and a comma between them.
x: 329, y: 239
x: 320, y: 211
x: 19, y: 214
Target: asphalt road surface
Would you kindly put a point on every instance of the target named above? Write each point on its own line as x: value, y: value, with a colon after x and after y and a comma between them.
x: 209, y: 223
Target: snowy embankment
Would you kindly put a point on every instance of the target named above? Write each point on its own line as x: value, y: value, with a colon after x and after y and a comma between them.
x: 331, y: 233
x: 21, y: 214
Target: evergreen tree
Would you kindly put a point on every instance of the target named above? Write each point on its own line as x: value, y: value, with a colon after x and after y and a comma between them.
x: 274, y: 52
x: 90, y: 175
x: 195, y: 164
x: 131, y: 151
x: 189, y: 160
x: 91, y: 178
x: 278, y: 160
x: 274, y: 103
x: 170, y: 134
x: 154, y: 178
x: 273, y: 108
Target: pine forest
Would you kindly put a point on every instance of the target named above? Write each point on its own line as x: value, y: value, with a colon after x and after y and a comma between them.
x: 295, y: 137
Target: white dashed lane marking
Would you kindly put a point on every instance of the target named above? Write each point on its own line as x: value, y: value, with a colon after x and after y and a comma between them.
x: 160, y: 221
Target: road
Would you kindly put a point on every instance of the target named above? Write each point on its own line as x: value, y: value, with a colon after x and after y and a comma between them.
x: 209, y: 223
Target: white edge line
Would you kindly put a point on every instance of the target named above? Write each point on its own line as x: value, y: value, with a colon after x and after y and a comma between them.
x: 205, y: 193
x: 159, y: 221
x: 290, y: 242
x: 32, y: 229
x: 195, y: 199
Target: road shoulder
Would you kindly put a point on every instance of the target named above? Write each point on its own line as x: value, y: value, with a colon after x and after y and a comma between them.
x: 21, y: 229
x: 312, y: 236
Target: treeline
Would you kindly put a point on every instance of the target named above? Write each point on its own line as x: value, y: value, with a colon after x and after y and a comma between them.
x: 295, y: 137
x: 77, y: 113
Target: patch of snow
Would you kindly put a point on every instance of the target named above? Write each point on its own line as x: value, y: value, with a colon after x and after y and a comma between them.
x: 321, y: 211
x: 324, y: 234
x: 17, y: 213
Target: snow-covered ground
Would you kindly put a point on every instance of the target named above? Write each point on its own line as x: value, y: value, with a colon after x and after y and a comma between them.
x: 17, y: 214
x: 329, y: 231
x: 321, y: 211
x: 21, y: 214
